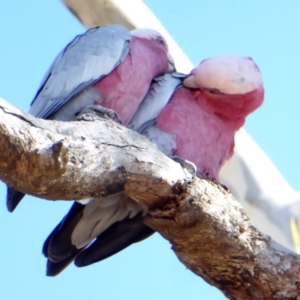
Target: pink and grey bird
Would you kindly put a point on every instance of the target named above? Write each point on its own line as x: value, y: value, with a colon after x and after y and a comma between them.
x: 199, y: 123
x: 196, y: 121
x: 107, y: 66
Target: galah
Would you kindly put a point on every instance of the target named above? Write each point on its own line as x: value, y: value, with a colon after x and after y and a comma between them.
x: 107, y: 66
x: 196, y: 121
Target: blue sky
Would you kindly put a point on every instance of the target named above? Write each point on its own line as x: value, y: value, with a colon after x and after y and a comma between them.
x: 33, y: 32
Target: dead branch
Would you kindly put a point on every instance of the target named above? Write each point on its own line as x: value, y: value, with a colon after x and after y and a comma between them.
x: 206, y: 226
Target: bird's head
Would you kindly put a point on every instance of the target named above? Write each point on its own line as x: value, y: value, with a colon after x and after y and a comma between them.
x: 153, y: 35
x: 230, y: 86
x: 150, y: 34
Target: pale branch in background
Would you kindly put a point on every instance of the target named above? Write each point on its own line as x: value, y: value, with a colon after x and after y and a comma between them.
x: 206, y: 226
x: 98, y: 12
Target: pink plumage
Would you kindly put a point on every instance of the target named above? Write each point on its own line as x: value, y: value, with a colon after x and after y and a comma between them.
x: 205, y: 117
x: 126, y: 86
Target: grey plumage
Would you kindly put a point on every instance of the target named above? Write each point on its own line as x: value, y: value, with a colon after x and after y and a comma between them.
x: 85, y: 60
x: 156, y: 99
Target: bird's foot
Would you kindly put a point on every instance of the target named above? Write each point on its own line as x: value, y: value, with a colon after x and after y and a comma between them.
x: 202, y: 176
x: 131, y: 127
x: 221, y: 185
x: 186, y: 165
x: 97, y: 112
x: 224, y: 187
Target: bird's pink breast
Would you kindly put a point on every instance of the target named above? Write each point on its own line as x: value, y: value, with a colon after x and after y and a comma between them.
x: 126, y: 86
x: 201, y: 137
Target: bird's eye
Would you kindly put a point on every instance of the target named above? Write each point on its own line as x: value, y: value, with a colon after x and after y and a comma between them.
x: 214, y: 91
x: 161, y: 42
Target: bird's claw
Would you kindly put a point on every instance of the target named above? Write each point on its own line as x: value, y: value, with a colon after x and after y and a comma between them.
x: 97, y: 112
x: 186, y: 165
x: 224, y: 187
x: 202, y: 176
x: 130, y: 126
x: 220, y: 184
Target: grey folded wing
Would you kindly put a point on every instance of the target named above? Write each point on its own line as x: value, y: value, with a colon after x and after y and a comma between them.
x: 85, y: 60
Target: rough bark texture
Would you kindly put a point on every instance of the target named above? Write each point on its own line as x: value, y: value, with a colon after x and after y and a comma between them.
x: 213, y: 237
x: 206, y: 226
x: 76, y: 160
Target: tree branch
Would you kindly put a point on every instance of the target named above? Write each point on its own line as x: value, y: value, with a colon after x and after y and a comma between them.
x: 206, y: 226
x: 213, y: 237
x: 76, y: 160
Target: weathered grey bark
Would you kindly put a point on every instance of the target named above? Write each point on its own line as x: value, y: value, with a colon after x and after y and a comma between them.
x: 207, y: 227
x: 60, y: 160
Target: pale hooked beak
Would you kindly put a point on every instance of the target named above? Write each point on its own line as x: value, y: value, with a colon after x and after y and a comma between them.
x: 171, y: 67
x: 189, y: 82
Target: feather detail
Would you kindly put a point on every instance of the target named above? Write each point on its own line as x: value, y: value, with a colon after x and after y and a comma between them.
x: 86, y: 59
x: 100, y: 214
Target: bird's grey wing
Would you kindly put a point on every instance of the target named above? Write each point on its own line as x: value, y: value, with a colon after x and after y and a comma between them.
x: 85, y: 60
x: 158, y: 96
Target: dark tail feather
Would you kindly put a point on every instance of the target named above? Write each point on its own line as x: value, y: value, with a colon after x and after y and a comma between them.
x: 60, y: 251
x: 116, y: 238
x: 51, y: 235
x: 58, y: 247
x: 13, y: 198
x: 54, y: 268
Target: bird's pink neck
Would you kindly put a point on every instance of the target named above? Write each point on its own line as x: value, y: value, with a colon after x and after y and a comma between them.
x: 233, y: 109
